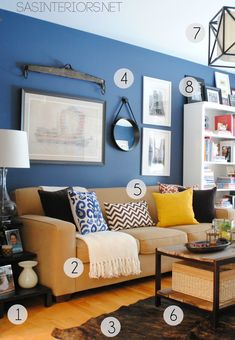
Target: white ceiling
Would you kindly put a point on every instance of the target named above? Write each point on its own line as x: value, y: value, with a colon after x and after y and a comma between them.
x: 159, y: 25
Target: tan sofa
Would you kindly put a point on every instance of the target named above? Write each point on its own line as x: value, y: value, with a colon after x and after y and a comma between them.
x: 54, y: 240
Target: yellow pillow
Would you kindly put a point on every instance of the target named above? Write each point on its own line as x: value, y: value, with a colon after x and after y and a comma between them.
x: 175, y: 209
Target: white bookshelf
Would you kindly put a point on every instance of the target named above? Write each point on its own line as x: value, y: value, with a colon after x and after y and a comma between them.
x: 194, y: 136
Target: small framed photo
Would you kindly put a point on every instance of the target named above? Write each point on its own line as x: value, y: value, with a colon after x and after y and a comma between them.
x: 7, y: 285
x: 222, y: 82
x: 156, y: 152
x: 13, y: 239
x: 156, y: 101
x: 231, y: 99
x: 213, y: 95
x: 198, y: 97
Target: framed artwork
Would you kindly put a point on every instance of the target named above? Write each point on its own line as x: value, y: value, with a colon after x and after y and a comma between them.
x: 223, y: 83
x: 232, y: 91
x: 199, y: 96
x: 213, y: 94
x: 231, y: 99
x: 156, y: 152
x: 13, y: 239
x: 6, y: 280
x: 156, y: 101
x: 63, y: 129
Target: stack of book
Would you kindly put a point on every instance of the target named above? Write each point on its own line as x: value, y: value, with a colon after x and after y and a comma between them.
x: 223, y: 202
x: 211, y: 151
x: 225, y: 183
x: 208, y: 178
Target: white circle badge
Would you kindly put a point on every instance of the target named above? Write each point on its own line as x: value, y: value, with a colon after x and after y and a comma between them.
x: 110, y: 327
x: 173, y: 315
x: 195, y: 32
x: 73, y: 267
x: 17, y: 314
x: 123, y: 78
x: 189, y: 87
x: 136, y: 189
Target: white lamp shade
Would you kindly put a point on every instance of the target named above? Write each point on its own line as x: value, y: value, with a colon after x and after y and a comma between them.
x: 13, y: 149
x: 229, y: 36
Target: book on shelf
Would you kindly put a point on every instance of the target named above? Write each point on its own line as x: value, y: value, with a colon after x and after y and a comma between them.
x: 225, y: 182
x: 208, y: 178
x: 224, y: 124
x: 211, y: 150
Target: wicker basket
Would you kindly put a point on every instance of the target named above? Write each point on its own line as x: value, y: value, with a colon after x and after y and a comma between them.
x: 197, y: 280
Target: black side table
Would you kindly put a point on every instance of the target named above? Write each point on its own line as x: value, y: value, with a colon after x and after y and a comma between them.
x: 22, y: 293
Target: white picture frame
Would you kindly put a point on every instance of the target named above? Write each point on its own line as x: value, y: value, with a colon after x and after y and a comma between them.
x: 63, y: 129
x: 223, y: 83
x: 156, y: 152
x: 156, y: 101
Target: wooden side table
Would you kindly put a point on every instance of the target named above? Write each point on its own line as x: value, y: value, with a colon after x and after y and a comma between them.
x: 22, y: 293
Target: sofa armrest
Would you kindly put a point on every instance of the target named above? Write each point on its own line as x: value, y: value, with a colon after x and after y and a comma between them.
x: 54, y: 241
x: 224, y: 213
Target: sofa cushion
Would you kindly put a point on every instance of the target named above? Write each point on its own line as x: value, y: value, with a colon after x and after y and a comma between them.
x: 128, y: 215
x: 195, y: 233
x: 151, y: 238
x: 175, y: 209
x: 56, y: 204
x: 82, y: 250
x: 86, y: 212
x: 203, y: 204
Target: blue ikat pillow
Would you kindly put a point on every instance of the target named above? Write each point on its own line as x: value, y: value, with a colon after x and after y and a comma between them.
x: 86, y: 212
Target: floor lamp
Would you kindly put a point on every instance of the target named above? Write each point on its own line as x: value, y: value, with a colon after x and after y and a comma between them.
x: 13, y: 154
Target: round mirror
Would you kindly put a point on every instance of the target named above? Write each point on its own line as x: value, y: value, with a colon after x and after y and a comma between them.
x: 125, y: 134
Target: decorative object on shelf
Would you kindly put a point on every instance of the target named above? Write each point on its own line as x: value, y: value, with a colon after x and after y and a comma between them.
x: 199, y: 96
x: 156, y: 101
x: 13, y: 239
x: 6, y: 280
x: 72, y: 132
x: 13, y: 154
x: 231, y: 99
x: 125, y: 131
x: 221, y: 50
x: 65, y: 71
x: 28, y: 278
x: 223, y: 83
x: 224, y: 124
x: 7, y: 250
x: 213, y: 94
x: 232, y: 91
x: 156, y: 152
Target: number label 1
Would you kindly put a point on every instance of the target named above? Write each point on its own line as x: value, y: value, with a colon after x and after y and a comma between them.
x: 110, y: 327
x: 17, y: 314
x: 173, y: 315
x: 123, y: 78
x: 136, y: 189
x: 73, y: 267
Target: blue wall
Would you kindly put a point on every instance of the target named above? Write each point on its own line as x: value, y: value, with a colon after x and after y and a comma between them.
x: 25, y: 40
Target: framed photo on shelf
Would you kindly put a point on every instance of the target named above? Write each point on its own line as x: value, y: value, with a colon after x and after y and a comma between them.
x: 213, y: 95
x: 231, y: 99
x: 63, y: 129
x: 156, y: 101
x: 199, y: 96
x: 13, y: 239
x: 156, y: 152
x: 222, y: 82
x: 7, y: 285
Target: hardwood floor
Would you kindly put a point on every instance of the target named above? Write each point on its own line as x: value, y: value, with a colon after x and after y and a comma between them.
x: 41, y: 320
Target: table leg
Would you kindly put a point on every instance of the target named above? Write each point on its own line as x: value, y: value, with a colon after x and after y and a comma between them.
x: 216, y: 280
x: 1, y: 310
x: 48, y: 299
x: 157, y: 278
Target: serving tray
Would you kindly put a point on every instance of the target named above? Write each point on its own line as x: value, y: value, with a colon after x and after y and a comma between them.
x: 205, y: 247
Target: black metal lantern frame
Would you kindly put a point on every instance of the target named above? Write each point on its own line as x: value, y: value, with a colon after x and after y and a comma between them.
x: 218, y: 51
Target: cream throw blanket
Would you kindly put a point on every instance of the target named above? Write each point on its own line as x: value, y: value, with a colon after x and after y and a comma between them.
x: 111, y: 254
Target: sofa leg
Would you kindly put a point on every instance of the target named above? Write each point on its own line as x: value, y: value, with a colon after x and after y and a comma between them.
x: 62, y: 298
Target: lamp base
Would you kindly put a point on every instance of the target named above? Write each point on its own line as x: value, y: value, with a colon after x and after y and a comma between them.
x: 7, y: 207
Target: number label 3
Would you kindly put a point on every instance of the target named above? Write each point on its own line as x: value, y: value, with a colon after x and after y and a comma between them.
x: 110, y: 327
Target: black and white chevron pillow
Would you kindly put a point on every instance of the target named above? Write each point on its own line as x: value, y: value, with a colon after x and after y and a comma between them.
x: 127, y: 215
